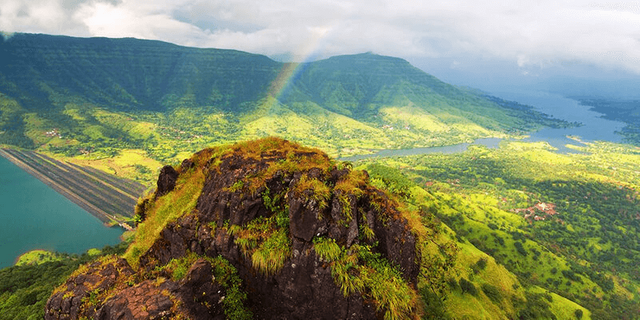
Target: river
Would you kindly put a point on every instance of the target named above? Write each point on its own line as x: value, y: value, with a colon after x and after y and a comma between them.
x: 34, y: 216
x: 593, y: 128
x: 456, y: 148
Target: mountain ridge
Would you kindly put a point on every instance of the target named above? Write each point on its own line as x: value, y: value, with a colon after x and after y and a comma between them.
x: 488, y: 252
x: 108, y: 95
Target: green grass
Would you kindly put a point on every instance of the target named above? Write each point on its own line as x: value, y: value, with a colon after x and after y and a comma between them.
x: 234, y: 302
x: 358, y: 270
x: 270, y: 255
x: 320, y: 192
x: 562, y: 307
x: 178, y: 268
x: 164, y: 210
x: 37, y: 256
x: 265, y: 242
x: 327, y: 249
x: 583, y: 253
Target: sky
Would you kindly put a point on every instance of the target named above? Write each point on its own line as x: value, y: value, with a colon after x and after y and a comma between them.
x: 478, y: 43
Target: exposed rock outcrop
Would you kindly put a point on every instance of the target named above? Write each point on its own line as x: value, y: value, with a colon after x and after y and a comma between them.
x: 309, y: 238
x: 166, y: 181
x: 196, y: 296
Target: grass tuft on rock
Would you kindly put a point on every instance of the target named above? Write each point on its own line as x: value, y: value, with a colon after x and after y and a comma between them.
x: 359, y: 269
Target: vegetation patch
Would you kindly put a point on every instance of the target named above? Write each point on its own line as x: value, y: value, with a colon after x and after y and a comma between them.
x: 38, y: 256
x: 24, y: 289
x: 319, y: 191
x: 234, y: 302
x: 164, y: 210
x: 178, y: 268
x: 556, y: 221
x: 266, y: 243
x: 360, y: 270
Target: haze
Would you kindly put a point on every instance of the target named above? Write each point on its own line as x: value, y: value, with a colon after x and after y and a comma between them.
x: 575, y: 47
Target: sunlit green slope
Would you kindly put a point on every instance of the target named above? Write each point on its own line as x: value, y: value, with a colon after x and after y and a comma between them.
x: 566, y: 225
x: 101, y: 96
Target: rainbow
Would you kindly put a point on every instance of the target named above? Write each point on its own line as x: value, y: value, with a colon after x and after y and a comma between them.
x: 291, y: 70
x: 287, y: 75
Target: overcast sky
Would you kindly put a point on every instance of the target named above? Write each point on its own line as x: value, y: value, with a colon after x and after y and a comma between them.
x: 524, y: 38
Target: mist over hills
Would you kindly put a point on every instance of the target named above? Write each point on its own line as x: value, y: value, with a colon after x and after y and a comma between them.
x: 344, y: 104
x: 520, y: 231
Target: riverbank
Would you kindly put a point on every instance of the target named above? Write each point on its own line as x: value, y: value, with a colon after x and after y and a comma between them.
x: 456, y: 148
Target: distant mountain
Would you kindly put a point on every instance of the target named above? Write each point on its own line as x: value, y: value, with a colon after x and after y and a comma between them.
x: 104, y: 95
x: 126, y: 74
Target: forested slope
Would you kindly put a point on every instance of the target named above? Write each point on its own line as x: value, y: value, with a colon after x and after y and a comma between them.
x: 72, y: 96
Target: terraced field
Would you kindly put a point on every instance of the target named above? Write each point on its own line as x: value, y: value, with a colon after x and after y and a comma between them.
x: 109, y: 198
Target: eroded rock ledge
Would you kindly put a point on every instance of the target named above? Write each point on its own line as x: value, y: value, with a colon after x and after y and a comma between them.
x: 304, y: 237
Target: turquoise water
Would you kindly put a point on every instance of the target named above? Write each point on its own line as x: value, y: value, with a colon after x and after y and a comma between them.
x: 34, y: 216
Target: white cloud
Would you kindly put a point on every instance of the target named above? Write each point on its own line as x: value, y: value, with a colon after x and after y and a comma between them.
x: 540, y: 34
x: 34, y: 16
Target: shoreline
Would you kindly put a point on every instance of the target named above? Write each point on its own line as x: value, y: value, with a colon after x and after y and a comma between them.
x: 30, y: 251
x: 85, y: 205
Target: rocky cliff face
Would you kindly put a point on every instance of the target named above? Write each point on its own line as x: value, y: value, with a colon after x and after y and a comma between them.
x: 274, y: 231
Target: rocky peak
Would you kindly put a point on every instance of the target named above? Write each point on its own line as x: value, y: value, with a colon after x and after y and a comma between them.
x: 305, y: 237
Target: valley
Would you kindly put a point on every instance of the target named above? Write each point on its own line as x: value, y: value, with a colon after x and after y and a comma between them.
x: 102, y: 97
x: 525, y: 209
x: 582, y: 248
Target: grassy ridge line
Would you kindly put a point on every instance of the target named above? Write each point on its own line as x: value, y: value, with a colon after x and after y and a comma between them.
x: 81, y: 188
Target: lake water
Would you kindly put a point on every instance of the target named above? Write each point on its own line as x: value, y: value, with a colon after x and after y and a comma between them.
x: 34, y: 216
x: 594, y: 126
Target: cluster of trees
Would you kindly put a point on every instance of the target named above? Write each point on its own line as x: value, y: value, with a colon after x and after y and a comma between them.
x: 24, y: 290
x: 588, y: 252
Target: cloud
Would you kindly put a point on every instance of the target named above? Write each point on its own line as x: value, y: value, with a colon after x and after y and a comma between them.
x: 131, y: 19
x: 40, y: 16
x: 531, y: 35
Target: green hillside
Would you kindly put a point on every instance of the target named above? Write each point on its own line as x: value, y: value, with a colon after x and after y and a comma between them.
x: 518, y: 232
x: 484, y: 254
x: 564, y: 225
x: 97, y: 98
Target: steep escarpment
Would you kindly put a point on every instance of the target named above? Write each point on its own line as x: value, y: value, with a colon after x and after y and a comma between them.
x: 73, y: 96
x: 264, y: 229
